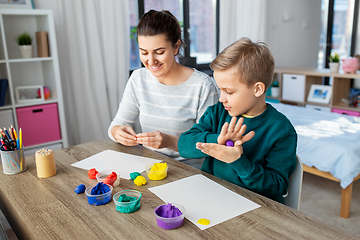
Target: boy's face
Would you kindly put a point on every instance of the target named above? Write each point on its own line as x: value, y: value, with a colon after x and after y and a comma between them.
x: 236, y: 97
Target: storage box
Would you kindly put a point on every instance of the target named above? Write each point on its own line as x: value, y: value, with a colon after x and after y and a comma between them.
x: 6, y: 118
x: 39, y: 124
x: 318, y: 108
x: 346, y: 112
x: 293, y: 87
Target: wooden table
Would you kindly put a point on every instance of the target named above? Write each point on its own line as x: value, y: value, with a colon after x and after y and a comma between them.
x: 50, y: 209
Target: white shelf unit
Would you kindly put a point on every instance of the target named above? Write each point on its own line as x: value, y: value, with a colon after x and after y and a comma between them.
x: 30, y: 71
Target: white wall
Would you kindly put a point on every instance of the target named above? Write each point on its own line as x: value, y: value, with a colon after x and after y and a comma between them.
x: 293, y: 32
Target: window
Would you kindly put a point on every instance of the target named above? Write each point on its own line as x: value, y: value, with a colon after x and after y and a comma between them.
x: 338, y: 31
x: 198, y: 20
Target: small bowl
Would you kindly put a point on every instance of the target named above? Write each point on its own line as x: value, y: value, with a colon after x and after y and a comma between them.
x: 113, y: 181
x: 155, y: 175
x: 173, y: 222
x: 100, y: 199
x: 127, y: 207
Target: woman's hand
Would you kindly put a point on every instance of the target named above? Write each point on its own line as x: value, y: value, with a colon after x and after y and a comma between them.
x: 158, y: 140
x: 125, y: 135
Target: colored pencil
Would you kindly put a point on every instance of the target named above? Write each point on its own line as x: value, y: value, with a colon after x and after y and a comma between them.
x: 20, y: 137
x: 7, y: 134
x: 14, y: 133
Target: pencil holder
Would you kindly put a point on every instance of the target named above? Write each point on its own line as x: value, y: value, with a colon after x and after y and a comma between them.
x: 13, y: 162
x: 45, y: 163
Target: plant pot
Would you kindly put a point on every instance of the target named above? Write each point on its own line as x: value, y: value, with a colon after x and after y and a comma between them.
x: 26, y: 51
x: 334, y: 67
x: 274, y: 91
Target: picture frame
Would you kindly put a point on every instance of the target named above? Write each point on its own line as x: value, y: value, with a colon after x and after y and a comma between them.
x: 319, y: 93
x: 17, y: 4
x: 26, y: 94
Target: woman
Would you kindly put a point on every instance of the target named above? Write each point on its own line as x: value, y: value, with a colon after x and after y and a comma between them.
x: 167, y: 97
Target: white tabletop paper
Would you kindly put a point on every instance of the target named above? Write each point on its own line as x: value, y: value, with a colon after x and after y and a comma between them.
x: 113, y: 160
x: 204, y: 198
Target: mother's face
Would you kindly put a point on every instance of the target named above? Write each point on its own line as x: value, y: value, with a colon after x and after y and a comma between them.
x: 157, y: 54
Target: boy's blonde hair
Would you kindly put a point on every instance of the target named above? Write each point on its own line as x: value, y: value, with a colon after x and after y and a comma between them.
x: 253, y: 61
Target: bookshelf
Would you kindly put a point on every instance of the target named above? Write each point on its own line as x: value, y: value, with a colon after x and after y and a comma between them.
x: 28, y: 72
x: 341, y: 84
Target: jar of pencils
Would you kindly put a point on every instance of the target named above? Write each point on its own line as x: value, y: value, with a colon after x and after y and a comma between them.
x: 13, y: 162
x: 45, y: 163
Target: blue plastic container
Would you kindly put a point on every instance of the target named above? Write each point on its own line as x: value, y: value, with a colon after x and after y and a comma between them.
x: 100, y: 199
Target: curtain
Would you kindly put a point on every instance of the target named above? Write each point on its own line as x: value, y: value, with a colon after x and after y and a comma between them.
x: 93, y: 47
x: 241, y: 18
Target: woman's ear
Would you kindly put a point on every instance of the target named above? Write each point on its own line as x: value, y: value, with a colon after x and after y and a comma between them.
x: 177, y: 47
x: 259, y: 89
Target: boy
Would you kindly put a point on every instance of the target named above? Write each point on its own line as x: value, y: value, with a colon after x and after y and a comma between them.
x: 263, y: 159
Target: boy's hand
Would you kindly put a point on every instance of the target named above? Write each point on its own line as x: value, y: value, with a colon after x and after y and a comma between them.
x: 125, y: 135
x: 234, y: 132
x: 222, y: 152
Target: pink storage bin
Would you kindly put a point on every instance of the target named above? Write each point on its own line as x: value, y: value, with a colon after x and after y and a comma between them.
x: 346, y: 112
x: 39, y: 124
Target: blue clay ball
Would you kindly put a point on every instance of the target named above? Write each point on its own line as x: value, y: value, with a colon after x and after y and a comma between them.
x: 80, y: 189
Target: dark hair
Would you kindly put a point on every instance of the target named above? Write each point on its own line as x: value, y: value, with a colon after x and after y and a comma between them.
x: 253, y: 61
x: 160, y: 22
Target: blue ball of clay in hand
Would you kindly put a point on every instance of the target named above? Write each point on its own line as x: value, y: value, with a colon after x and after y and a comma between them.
x: 80, y: 189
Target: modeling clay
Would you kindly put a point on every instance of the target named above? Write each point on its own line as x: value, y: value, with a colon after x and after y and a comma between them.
x: 92, y: 173
x: 100, y: 188
x: 110, y: 179
x: 125, y: 198
x: 140, y: 180
x: 203, y: 221
x: 80, y: 188
x: 158, y: 171
x: 134, y: 175
x: 229, y: 143
x: 168, y: 211
x: 131, y: 204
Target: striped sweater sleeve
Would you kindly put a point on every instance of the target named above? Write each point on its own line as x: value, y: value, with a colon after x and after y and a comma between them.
x: 128, y: 110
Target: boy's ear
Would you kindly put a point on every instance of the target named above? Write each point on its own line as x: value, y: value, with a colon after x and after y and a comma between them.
x: 259, y: 89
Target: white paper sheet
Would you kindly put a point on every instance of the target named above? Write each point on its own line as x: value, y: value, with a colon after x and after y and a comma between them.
x: 204, y: 198
x: 113, y: 160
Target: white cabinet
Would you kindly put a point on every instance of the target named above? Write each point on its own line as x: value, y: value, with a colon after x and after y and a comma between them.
x: 293, y: 87
x: 29, y: 72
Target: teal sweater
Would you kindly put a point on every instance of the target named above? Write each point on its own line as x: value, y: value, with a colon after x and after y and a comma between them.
x: 268, y: 159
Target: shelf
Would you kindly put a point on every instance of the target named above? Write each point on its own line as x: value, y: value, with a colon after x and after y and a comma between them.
x: 48, y: 101
x: 36, y: 59
x: 341, y: 84
x: 27, y: 72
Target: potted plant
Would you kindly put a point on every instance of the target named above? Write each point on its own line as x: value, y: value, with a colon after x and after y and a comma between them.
x: 275, y: 89
x: 334, y: 62
x: 24, y: 41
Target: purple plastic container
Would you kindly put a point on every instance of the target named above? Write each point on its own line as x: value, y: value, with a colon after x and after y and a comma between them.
x: 172, y: 222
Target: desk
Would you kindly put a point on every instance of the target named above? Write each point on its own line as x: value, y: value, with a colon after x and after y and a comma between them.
x: 50, y: 209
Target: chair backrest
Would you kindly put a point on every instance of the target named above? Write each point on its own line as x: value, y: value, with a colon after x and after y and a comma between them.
x: 295, y: 183
x: 3, y: 235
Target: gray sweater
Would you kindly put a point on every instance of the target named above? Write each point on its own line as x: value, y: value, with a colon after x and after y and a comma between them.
x: 168, y: 109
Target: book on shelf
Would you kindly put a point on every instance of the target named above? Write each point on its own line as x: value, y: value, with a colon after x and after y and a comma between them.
x: 3, y: 88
